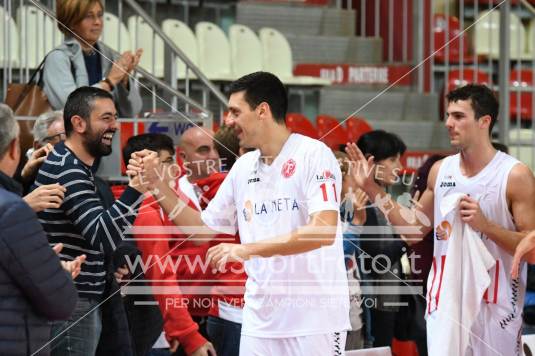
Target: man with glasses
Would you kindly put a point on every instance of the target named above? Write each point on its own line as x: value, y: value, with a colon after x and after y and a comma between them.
x: 48, y: 128
x: 47, y: 131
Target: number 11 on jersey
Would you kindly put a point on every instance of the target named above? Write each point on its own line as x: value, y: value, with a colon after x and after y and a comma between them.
x: 323, y: 187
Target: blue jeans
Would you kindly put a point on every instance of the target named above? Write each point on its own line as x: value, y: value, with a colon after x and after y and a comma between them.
x: 82, y: 338
x: 224, y: 335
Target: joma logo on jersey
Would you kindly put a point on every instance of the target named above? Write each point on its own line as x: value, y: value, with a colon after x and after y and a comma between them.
x: 447, y: 184
x: 253, y: 180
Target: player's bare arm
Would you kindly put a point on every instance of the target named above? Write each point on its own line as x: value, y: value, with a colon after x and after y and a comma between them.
x: 361, y: 168
x: 319, y: 232
x: 521, y: 201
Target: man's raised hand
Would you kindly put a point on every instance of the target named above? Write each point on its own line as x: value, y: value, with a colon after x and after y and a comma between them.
x: 73, y: 267
x: 35, y: 161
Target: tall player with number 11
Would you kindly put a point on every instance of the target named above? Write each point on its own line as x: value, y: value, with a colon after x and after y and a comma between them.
x: 283, y: 200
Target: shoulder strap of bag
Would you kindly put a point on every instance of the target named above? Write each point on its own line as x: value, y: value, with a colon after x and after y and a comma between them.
x: 27, y: 87
x: 41, y: 70
x: 73, y: 70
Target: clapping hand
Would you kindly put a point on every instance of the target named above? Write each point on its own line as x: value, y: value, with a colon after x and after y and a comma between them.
x: 73, y: 267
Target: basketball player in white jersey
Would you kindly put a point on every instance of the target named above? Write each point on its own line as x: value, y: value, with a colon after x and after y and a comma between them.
x: 283, y: 198
x: 499, y: 204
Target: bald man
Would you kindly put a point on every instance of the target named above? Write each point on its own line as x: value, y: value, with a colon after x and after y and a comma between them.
x: 199, y: 154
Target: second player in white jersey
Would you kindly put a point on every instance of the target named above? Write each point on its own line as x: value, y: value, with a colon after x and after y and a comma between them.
x: 499, y: 205
x: 501, y: 311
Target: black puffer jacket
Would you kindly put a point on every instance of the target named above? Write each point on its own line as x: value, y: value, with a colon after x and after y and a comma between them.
x: 34, y: 288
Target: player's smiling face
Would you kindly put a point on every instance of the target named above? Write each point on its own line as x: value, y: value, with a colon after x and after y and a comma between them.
x: 243, y: 119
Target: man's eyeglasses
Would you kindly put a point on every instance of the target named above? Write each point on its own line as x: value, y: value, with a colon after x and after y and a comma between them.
x: 55, y: 138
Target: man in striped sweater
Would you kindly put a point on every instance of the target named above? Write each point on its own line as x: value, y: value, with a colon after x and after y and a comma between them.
x: 81, y: 223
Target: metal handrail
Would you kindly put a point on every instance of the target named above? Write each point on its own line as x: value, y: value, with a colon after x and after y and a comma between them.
x: 145, y: 73
x: 177, y: 51
x: 166, y: 87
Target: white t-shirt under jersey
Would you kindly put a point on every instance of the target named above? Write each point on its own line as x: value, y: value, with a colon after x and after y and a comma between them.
x: 286, y: 296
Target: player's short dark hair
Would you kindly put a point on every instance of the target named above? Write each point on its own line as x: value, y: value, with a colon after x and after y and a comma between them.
x: 80, y: 103
x: 482, y: 98
x: 262, y: 87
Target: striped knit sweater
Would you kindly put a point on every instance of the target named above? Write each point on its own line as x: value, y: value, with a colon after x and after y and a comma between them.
x: 81, y: 223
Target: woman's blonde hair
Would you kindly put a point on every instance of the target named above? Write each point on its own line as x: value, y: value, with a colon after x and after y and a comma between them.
x: 71, y: 12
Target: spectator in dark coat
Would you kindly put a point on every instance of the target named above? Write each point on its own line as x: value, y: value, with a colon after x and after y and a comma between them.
x: 34, y: 288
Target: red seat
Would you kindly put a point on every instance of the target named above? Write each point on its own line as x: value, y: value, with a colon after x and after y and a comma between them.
x: 518, y: 80
x: 357, y: 127
x: 300, y: 124
x: 469, y: 75
x: 331, y: 131
x: 440, y: 25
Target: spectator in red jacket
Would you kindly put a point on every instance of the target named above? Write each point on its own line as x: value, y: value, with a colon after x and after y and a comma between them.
x: 168, y: 256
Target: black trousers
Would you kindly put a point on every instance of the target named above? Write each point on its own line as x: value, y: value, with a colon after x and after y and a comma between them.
x: 383, y: 325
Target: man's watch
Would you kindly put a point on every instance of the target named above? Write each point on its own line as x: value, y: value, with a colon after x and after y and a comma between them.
x: 108, y: 81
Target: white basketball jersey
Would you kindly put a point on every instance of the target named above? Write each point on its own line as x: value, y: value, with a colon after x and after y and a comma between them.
x: 294, y: 295
x: 504, y: 298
